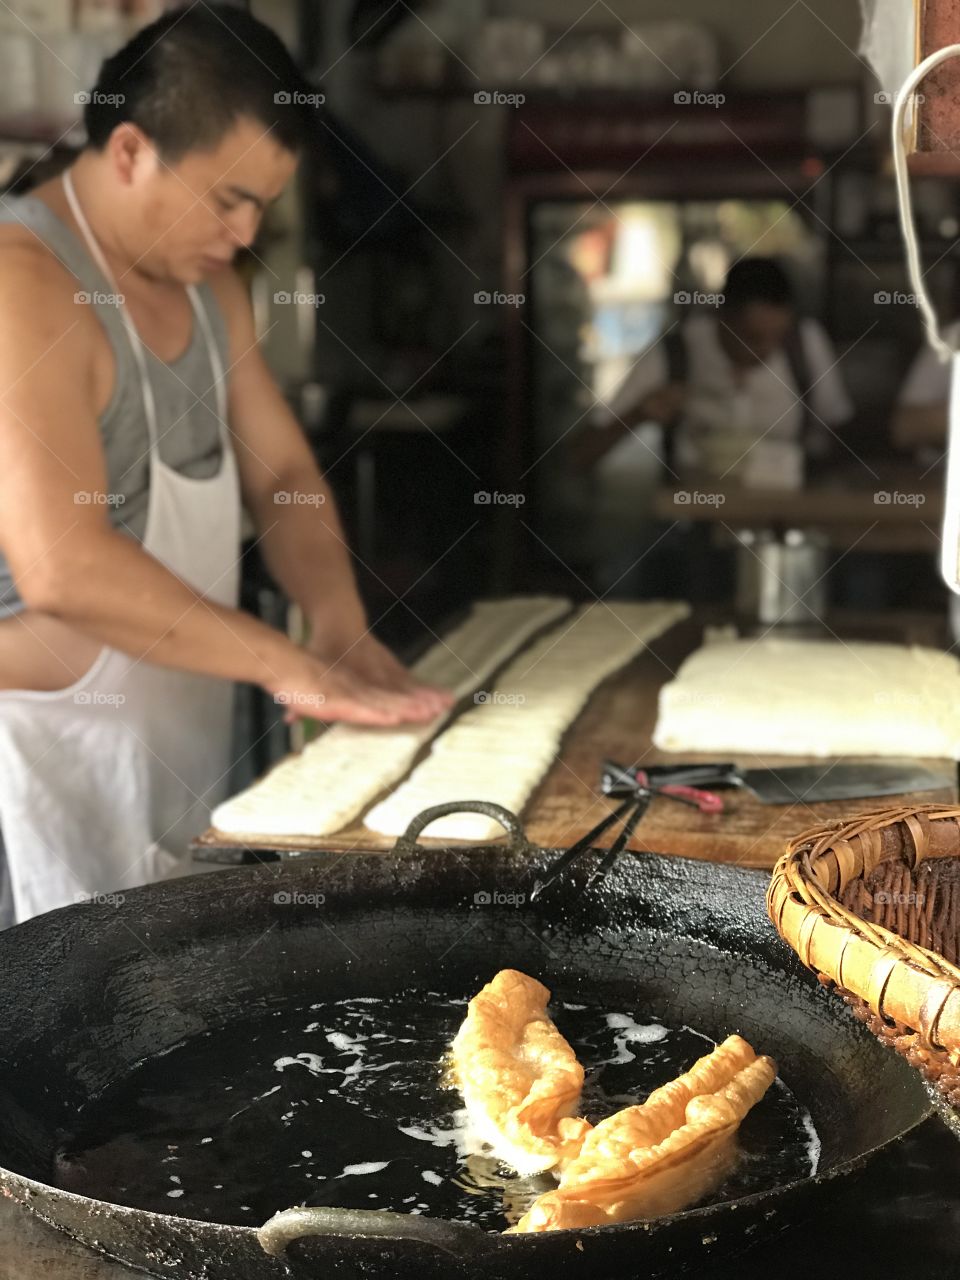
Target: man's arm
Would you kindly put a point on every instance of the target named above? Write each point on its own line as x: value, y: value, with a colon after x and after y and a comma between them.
x: 828, y: 398
x: 302, y: 539
x: 295, y: 512
x: 66, y: 558
x: 645, y: 395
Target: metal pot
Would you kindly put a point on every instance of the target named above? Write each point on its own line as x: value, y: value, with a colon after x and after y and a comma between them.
x: 91, y: 991
x: 782, y: 581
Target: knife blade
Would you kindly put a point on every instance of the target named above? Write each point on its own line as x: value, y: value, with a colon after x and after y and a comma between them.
x: 847, y: 780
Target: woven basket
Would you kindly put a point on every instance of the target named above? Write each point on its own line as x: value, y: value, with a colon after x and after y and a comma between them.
x: 872, y: 906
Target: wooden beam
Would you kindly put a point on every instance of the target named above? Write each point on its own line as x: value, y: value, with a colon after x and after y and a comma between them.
x: 938, y: 115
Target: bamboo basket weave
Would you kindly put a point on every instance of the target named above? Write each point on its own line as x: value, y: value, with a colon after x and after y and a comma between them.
x: 872, y: 906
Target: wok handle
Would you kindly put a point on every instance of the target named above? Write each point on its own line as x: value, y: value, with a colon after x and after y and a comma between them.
x: 407, y: 843
x: 454, y: 1238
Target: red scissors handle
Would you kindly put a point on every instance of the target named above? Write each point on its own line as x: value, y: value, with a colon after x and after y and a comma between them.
x: 706, y: 801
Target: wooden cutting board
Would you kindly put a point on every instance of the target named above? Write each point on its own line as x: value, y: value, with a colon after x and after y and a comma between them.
x: 618, y: 723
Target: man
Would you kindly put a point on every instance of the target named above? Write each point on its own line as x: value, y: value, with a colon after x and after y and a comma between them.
x: 135, y: 413
x: 743, y: 393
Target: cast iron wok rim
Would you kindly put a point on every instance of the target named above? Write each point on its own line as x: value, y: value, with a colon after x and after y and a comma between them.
x: 30, y: 1188
x: 526, y: 1240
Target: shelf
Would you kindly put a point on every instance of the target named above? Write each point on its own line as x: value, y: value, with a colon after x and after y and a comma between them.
x: 893, y: 250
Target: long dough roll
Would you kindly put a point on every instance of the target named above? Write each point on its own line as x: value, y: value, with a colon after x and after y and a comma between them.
x: 500, y: 750
x: 327, y: 784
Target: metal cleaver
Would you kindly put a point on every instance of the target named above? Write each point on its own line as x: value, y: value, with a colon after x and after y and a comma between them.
x: 810, y: 782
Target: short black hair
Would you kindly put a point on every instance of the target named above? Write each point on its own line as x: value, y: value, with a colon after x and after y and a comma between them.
x: 757, y: 280
x: 187, y: 78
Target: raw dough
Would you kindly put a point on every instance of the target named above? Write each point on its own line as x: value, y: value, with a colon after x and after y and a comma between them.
x: 328, y: 783
x: 812, y: 697
x: 499, y: 750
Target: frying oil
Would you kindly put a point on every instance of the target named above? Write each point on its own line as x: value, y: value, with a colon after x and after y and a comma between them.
x: 347, y: 1103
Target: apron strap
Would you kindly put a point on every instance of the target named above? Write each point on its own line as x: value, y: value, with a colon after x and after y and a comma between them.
x: 136, y: 342
x: 216, y: 363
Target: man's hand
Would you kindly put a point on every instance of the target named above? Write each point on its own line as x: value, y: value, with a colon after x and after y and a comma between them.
x: 360, y: 682
x: 664, y: 405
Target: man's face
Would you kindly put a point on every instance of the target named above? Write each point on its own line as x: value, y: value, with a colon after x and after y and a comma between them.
x: 752, y: 333
x: 192, y: 216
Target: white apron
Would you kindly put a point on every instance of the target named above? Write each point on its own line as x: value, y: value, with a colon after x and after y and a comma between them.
x: 102, y: 784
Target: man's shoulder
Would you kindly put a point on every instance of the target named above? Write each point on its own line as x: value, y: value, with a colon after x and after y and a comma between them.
x: 33, y: 281
x: 230, y: 291
x: 233, y: 298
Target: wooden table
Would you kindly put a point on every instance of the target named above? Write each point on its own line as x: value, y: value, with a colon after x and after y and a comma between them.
x: 619, y: 721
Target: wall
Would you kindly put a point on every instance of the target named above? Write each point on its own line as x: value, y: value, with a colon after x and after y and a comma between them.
x: 779, y: 45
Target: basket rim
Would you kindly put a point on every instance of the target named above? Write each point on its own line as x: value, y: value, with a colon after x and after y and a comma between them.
x: 900, y: 981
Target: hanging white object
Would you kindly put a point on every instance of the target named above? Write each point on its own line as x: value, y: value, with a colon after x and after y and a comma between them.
x: 888, y: 39
x: 950, y: 533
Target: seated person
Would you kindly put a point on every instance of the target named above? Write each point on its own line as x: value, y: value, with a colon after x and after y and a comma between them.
x: 744, y: 393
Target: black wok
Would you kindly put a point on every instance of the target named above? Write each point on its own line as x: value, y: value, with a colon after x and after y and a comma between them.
x: 90, y: 992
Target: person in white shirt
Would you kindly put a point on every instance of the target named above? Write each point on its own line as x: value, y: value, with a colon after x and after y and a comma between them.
x: 744, y: 393
x: 919, y: 422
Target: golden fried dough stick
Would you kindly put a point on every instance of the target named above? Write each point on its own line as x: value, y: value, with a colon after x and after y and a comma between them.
x: 519, y: 1078
x: 665, y: 1108
x: 633, y: 1166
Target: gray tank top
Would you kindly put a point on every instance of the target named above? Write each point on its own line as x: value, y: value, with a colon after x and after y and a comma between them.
x: 184, y: 390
